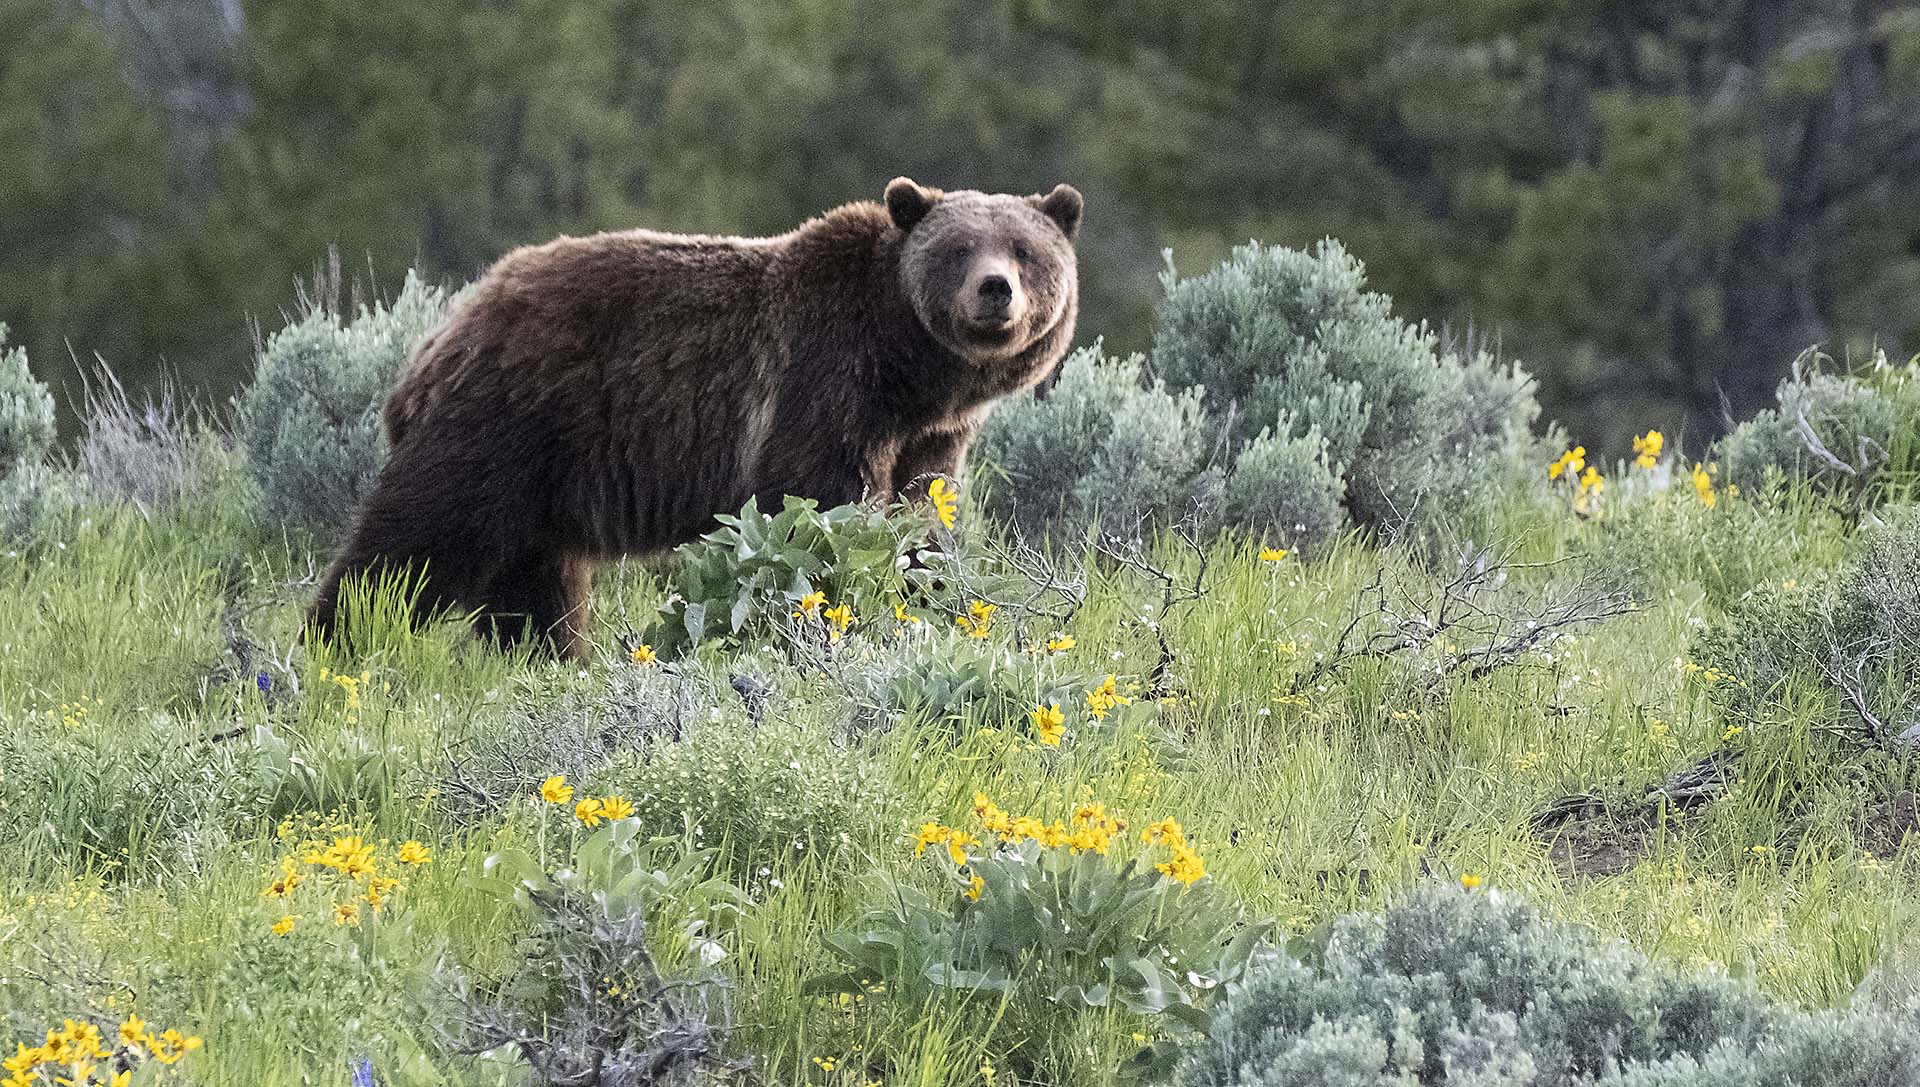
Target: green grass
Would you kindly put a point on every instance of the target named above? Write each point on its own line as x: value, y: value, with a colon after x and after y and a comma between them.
x: 140, y: 833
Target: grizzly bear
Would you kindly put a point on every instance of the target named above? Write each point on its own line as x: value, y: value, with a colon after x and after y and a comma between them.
x: 606, y: 396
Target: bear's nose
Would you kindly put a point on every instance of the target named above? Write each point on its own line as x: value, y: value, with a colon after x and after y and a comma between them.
x: 996, y: 288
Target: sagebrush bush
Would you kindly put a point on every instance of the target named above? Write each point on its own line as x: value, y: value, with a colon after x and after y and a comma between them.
x: 1281, y: 397
x: 583, y: 1000
x: 1868, y: 421
x: 1850, y: 636
x: 149, y: 454
x: 1107, y: 448
x: 26, y: 410
x: 32, y: 492
x: 1293, y: 342
x: 310, y: 419
x: 1454, y: 987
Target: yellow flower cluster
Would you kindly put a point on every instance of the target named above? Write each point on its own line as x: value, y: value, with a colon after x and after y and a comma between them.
x: 592, y: 811
x: 1646, y: 448
x: 1185, y: 866
x: 348, y: 863
x: 1703, y: 484
x: 1091, y: 830
x: 838, y: 619
x: 903, y: 616
x: 978, y: 620
x: 643, y: 655
x: 1712, y: 675
x: 351, y: 685
x: 945, y: 498
x: 1591, y: 484
x: 1103, y: 699
x: 1569, y: 464
x: 73, y: 714
x: 75, y: 1055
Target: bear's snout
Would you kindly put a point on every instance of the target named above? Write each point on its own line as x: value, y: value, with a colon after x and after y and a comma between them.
x: 993, y: 298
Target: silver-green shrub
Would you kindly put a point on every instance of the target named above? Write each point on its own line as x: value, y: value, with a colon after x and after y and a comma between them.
x: 1465, y: 988
x: 310, y: 421
x: 1841, y: 432
x: 1282, y: 398
x: 1292, y: 342
x: 26, y: 410
x: 1106, y: 448
x: 32, y: 492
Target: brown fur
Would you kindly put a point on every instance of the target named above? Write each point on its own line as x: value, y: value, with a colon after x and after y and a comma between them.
x: 606, y: 396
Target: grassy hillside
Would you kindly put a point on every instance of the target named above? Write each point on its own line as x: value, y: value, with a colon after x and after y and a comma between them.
x: 168, y: 755
x: 1317, y: 661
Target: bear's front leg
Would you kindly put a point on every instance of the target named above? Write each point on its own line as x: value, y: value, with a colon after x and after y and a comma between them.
x: 926, y: 456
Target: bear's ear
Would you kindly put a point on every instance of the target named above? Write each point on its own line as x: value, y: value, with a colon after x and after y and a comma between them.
x: 1063, y: 205
x: 908, y: 202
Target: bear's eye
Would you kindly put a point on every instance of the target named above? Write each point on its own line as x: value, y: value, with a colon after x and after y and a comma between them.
x: 962, y: 252
x: 1020, y: 253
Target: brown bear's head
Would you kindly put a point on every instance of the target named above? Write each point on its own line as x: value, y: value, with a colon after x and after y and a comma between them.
x: 989, y: 275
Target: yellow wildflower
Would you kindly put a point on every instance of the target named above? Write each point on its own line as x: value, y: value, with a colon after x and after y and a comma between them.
x: 588, y: 811
x: 1569, y: 463
x: 644, y: 654
x: 978, y: 620
x: 811, y: 604
x: 1166, y: 831
x: 945, y: 498
x: 283, y: 886
x: 1703, y: 486
x: 280, y: 928
x: 412, y: 852
x: 23, y: 1060
x: 346, y: 913
x: 838, y: 620
x: 131, y: 1031
x: 170, y: 1047
x: 957, y: 843
x: 350, y: 856
x: 1646, y: 448
x: 930, y: 834
x: 616, y: 807
x: 992, y: 819
x: 974, y: 886
x: 1273, y: 554
x: 1049, y: 724
x: 1060, y: 643
x: 1470, y: 881
x: 1102, y: 699
x: 1185, y: 868
x: 555, y: 790
x: 901, y: 614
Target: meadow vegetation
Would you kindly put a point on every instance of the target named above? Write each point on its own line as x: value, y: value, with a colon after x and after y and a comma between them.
x: 1278, y: 707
